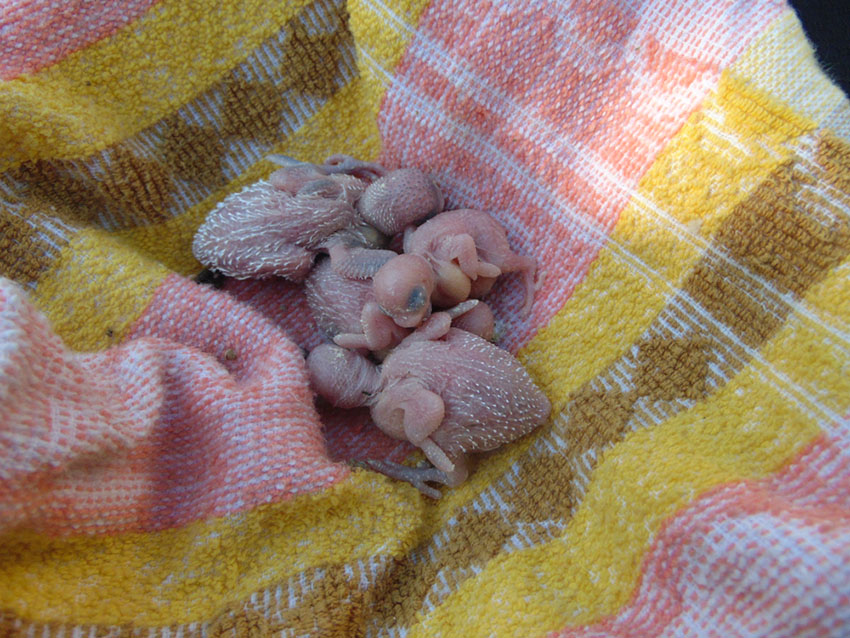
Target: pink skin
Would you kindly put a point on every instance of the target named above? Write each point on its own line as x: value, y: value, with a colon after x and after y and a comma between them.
x: 342, y: 187
x: 334, y: 165
x: 468, y: 250
x: 452, y: 257
x: 446, y: 390
x: 401, y: 198
x: 262, y: 232
x: 479, y: 321
x: 392, y: 201
x: 291, y: 179
x: 403, y: 289
x: 346, y: 311
x: 277, y: 227
x: 340, y: 163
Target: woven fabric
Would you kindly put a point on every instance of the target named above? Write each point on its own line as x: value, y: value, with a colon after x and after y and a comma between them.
x: 681, y: 171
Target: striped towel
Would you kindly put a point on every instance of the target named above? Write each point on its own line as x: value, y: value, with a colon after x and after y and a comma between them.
x: 681, y: 170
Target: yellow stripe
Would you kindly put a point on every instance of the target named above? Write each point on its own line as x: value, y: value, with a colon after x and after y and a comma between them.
x: 108, y: 264
x: 566, y: 353
x: 382, y: 31
x: 748, y: 430
x: 820, y: 361
x: 83, y: 579
x: 170, y: 242
x: 593, y: 330
x: 385, y: 27
x: 122, y: 84
x: 776, y: 63
x: 592, y: 570
x: 352, y: 110
x: 718, y: 156
x: 189, y: 574
x: 95, y: 289
x: 75, y: 568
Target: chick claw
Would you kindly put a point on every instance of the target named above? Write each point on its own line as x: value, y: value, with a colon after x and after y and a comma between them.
x: 416, y: 476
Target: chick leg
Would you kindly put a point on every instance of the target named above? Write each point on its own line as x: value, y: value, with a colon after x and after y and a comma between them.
x: 418, y: 477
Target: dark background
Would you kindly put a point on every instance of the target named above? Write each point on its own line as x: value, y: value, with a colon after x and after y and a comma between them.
x: 827, y: 24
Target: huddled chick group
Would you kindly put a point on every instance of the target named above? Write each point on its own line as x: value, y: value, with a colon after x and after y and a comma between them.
x: 410, y: 338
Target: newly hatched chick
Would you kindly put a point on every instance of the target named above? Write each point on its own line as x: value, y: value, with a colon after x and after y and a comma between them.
x: 276, y: 227
x: 445, y: 390
x: 452, y: 257
x: 346, y: 311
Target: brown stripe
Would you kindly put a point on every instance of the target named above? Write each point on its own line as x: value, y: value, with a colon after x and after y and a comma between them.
x: 833, y: 155
x: 545, y: 495
x: 186, y: 157
x: 252, y: 110
x: 329, y: 601
x: 669, y: 368
x: 21, y: 246
x: 193, y: 152
x: 777, y: 236
x: 239, y: 622
x: 310, y: 56
x: 137, y: 187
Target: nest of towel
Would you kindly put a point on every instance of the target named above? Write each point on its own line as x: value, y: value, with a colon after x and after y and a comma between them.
x: 680, y: 171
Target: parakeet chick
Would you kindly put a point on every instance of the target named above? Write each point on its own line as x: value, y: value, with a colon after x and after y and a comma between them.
x: 345, y: 208
x: 445, y: 390
x: 346, y: 312
x: 452, y: 257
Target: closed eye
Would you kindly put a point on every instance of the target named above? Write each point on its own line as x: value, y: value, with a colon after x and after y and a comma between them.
x: 417, y: 298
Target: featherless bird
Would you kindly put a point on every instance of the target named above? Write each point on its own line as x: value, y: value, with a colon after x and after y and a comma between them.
x: 344, y: 207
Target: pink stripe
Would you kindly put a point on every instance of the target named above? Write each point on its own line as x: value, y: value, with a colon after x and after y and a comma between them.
x: 548, y: 118
x: 349, y: 434
x: 158, y: 432
x: 38, y: 33
x: 756, y: 558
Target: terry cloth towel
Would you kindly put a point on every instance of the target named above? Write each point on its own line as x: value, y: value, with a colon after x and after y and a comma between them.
x: 681, y: 170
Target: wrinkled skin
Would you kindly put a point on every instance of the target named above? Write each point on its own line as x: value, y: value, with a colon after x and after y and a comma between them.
x: 346, y: 312
x: 452, y: 257
x: 445, y: 390
x: 298, y: 173
x: 344, y: 207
